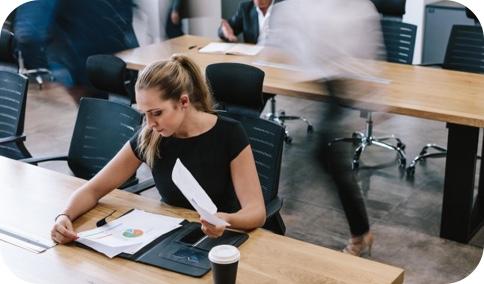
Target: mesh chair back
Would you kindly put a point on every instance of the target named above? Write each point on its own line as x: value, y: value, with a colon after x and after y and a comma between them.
x: 7, y: 59
x: 6, y: 51
x: 399, y: 39
x: 13, y: 97
x: 102, y: 128
x: 465, y: 50
x: 237, y: 87
x: 266, y: 139
x: 108, y: 73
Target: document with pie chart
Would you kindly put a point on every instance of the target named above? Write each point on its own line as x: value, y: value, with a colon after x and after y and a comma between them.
x: 129, y: 233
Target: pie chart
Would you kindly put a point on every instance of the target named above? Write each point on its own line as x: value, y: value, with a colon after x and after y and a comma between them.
x: 132, y: 233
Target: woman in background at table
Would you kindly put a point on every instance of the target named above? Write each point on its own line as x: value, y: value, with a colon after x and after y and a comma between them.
x: 179, y: 124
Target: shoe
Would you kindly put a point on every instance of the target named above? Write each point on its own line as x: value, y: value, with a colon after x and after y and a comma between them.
x: 357, y: 245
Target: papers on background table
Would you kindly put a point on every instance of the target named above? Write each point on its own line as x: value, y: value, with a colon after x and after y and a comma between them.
x: 24, y: 240
x: 195, y: 194
x: 231, y: 48
x: 129, y: 233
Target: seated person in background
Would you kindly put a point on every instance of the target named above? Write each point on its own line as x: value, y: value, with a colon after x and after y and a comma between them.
x: 179, y: 124
x: 251, y: 19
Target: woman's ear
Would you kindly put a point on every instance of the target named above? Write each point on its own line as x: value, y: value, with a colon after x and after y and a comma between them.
x: 184, y: 101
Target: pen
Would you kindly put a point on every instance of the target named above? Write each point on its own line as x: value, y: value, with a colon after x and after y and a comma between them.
x: 103, y: 222
x: 199, y: 241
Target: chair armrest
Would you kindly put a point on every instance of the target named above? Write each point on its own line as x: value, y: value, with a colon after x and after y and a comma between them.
x: 273, y: 207
x: 140, y: 187
x: 12, y: 139
x: 36, y: 160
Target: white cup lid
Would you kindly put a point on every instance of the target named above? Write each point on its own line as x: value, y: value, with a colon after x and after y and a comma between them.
x: 224, y: 254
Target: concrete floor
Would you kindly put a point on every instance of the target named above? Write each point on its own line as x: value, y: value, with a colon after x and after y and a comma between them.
x: 404, y: 214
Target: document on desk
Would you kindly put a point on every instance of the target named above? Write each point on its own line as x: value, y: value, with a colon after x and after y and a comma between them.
x: 129, y: 233
x: 231, y: 48
x: 195, y: 194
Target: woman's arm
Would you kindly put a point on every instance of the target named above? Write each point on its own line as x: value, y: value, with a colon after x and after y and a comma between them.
x: 247, y: 187
x: 117, y: 171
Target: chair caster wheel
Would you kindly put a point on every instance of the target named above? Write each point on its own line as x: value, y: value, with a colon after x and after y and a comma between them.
x: 310, y: 129
x: 288, y: 139
x: 401, y: 146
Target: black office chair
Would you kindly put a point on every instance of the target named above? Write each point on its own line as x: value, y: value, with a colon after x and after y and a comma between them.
x: 8, y: 62
x: 236, y: 87
x: 13, y: 97
x: 109, y: 74
x: 465, y: 52
x: 266, y: 139
x: 399, y: 41
x: 102, y: 128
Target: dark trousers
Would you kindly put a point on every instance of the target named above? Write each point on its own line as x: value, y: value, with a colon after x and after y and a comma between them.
x: 337, y: 160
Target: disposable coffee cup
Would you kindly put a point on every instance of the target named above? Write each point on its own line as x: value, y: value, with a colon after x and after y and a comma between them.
x: 224, y: 260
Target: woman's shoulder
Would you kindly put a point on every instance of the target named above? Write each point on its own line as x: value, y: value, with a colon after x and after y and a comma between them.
x: 227, y: 122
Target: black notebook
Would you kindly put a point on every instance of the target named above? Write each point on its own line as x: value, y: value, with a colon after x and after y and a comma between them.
x: 184, y: 250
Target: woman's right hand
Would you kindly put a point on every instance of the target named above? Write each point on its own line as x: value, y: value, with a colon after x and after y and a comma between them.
x: 63, y: 231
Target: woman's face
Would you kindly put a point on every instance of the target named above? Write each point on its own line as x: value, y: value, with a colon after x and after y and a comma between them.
x: 163, y: 116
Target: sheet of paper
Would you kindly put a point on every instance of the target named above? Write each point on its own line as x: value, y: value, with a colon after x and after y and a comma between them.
x: 190, y: 188
x: 211, y: 218
x: 24, y: 240
x: 231, y: 48
x: 216, y: 47
x: 245, y: 49
x: 194, y: 193
x: 128, y: 233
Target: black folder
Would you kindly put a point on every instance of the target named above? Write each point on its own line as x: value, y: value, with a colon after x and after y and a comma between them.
x: 175, y: 250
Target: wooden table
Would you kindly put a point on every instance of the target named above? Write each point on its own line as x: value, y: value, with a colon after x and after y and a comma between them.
x: 33, y: 196
x: 450, y: 96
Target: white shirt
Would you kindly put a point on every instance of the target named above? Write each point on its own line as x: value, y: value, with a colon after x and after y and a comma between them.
x: 263, y: 23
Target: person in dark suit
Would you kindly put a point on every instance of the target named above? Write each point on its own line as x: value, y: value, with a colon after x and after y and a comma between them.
x: 251, y: 19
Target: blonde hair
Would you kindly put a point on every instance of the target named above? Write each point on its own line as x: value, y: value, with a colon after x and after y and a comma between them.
x: 179, y: 75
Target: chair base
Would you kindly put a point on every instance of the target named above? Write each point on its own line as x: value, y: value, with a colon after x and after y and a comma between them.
x: 440, y: 153
x: 361, y: 141
x: 38, y: 75
x: 281, y: 118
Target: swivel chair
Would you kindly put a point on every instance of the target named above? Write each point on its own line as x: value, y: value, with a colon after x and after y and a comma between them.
x: 236, y: 87
x: 102, y: 128
x: 266, y: 139
x: 108, y: 73
x: 13, y: 97
x: 399, y: 41
x: 464, y: 53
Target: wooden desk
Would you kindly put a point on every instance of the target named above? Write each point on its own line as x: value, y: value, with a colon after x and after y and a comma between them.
x: 450, y: 96
x: 33, y: 196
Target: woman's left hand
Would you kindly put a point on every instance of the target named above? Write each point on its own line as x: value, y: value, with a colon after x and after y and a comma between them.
x: 213, y: 231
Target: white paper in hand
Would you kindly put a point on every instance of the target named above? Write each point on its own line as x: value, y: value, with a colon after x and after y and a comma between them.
x: 195, y: 194
x: 211, y: 218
